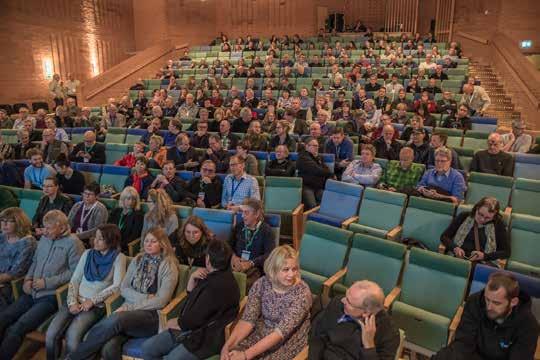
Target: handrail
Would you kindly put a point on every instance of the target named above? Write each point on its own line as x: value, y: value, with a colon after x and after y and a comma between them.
x: 128, y: 67
x: 472, y: 37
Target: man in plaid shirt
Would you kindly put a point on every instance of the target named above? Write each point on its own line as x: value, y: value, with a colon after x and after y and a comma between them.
x: 403, y: 174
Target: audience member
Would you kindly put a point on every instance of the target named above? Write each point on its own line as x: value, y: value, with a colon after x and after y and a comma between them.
x: 238, y: 185
x: 174, y: 129
x: 205, y: 190
x: 89, y: 151
x: 157, y: 153
x: 363, y: 171
x: 56, y: 89
x: 113, y: 118
x: 51, y: 147
x: 386, y: 146
x: 447, y: 105
x: 20, y: 150
x: 128, y: 217
x: 459, y: 120
x: 70, y: 181
x: 281, y: 165
x: 153, y: 129
x: 403, y: 175
x: 36, y: 173
x: 342, y: 147
x: 218, y: 155
x: 6, y: 150
x: 227, y: 138
x: 52, y: 199
x: 200, y: 137
x: 59, y: 133
x: 283, y: 137
x: 439, y: 139
x: 519, y: 141
x: 140, y: 178
x: 171, y: 183
x: 5, y: 120
x: 161, y: 213
x: 476, y: 98
x: 419, y: 146
x: 191, y: 241
x: 183, y: 154
x: 86, y: 215
x: 493, y: 160
x: 250, y: 161
x: 267, y: 327
x: 130, y: 158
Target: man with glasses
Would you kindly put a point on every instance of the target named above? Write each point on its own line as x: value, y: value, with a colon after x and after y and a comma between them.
x: 460, y: 120
x: 200, y: 137
x: 52, y: 199
x: 183, y: 155
x: 238, y: 185
x: 443, y: 182
x: 206, y: 188
x: 493, y: 160
x: 86, y: 215
x: 172, y: 184
x: 519, y: 141
x: 89, y: 151
x: 52, y: 147
x: 354, y: 326
x: 217, y: 154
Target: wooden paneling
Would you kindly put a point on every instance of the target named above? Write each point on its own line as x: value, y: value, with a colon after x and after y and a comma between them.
x: 401, y: 15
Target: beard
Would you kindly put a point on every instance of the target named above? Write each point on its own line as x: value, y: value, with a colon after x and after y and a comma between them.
x: 492, y: 315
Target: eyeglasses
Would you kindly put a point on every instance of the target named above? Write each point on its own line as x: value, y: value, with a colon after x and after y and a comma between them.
x: 493, y: 143
x: 234, y: 164
x: 8, y: 221
x: 208, y: 170
x: 88, y: 193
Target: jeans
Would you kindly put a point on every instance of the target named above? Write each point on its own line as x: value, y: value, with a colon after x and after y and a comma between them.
x: 310, y: 197
x: 23, y: 316
x: 111, y: 333
x: 72, y: 327
x: 6, y: 297
x: 164, y: 346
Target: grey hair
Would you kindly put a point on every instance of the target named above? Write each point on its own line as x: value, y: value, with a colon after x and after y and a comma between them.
x: 374, y: 295
x: 444, y: 151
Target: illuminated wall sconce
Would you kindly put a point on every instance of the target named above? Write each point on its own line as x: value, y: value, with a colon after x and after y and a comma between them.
x: 526, y: 44
x: 48, y: 68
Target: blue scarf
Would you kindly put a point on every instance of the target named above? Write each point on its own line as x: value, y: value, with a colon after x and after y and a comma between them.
x: 98, y: 266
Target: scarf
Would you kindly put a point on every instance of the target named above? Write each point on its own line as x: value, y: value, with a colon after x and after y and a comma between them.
x: 467, y: 226
x: 145, y: 275
x: 138, y: 182
x: 97, y: 265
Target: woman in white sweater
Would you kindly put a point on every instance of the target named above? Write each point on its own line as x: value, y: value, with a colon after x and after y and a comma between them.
x: 98, y: 275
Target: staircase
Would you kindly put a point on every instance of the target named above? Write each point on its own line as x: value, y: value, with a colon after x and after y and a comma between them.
x: 501, y: 107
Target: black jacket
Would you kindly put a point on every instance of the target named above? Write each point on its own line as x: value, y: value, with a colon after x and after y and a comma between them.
x: 180, y: 158
x: 275, y: 168
x: 132, y: 225
x: 329, y: 340
x: 97, y: 153
x: 212, y: 191
x: 262, y: 244
x: 201, y: 311
x: 61, y: 202
x: 479, y: 338
x: 383, y: 152
x: 312, y: 170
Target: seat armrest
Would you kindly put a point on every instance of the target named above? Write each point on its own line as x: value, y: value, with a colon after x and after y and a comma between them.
x: 391, y: 297
x: 302, y: 355
x: 170, y: 310
x: 16, y: 287
x: 454, y: 324
x: 507, y: 212
x: 442, y: 249
x: 297, y: 225
x: 329, y: 283
x: 345, y: 224
x: 311, y: 211
x: 395, y: 233
x: 113, y: 302
x: 133, y: 247
x: 61, y: 295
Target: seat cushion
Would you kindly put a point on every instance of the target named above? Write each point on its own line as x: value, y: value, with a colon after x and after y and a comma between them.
x: 314, y: 281
x: 325, y: 219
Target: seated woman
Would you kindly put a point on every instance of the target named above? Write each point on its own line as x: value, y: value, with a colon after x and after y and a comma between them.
x: 70, y: 181
x: 17, y: 246
x: 97, y: 276
x: 52, y: 199
x: 242, y: 150
x: 157, y: 153
x: 281, y: 165
x: 53, y: 264
x: 478, y: 235
x: 256, y: 138
x: 86, y: 215
x: 140, y: 178
x: 190, y: 242
x: 161, y: 214
x: 128, y: 216
x: 148, y: 286
x: 252, y: 241
x: 275, y: 322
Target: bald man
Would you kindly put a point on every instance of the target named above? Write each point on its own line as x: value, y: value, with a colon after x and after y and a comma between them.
x: 88, y: 151
x: 476, y: 98
x: 493, y: 160
x: 354, y: 327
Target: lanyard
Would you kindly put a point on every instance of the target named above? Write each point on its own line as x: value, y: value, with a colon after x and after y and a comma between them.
x: 88, y: 149
x: 122, y: 220
x: 235, y: 188
x: 249, y: 235
x: 85, y: 214
x: 37, y: 179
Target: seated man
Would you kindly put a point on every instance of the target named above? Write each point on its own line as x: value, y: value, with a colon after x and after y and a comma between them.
x: 238, y: 185
x: 199, y: 139
x: 443, y: 182
x: 459, y: 120
x: 183, y: 154
x: 403, y: 175
x: 89, y: 151
x: 227, y: 138
x: 477, y: 98
x: 493, y: 160
x: 51, y: 147
x: 519, y: 142
x: 54, y: 262
x: 151, y: 130
x: 386, y: 146
x: 200, y: 310
x: 342, y: 148
x: 205, y: 190
x: 354, y: 327
x: 52, y: 199
x: 217, y: 154
x: 172, y: 184
x: 438, y: 140
x: 175, y: 128
x: 497, y: 323
x: 36, y: 173
x: 420, y: 147
x: 281, y: 165
x: 364, y: 171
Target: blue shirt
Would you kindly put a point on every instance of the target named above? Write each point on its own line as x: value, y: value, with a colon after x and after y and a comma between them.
x: 236, y: 191
x: 170, y: 139
x: 451, y: 181
x: 36, y: 176
x: 343, y: 151
x: 16, y: 258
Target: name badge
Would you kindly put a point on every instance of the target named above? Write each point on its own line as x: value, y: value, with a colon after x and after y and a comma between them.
x: 246, y: 255
x: 79, y: 230
x: 86, y: 160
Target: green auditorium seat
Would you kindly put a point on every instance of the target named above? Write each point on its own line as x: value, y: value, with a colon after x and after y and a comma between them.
x: 454, y: 135
x: 152, y: 84
x: 9, y: 136
x: 481, y: 185
x: 91, y: 172
x: 115, y: 152
x: 525, y: 245
x: 375, y: 203
x: 115, y: 135
x: 29, y: 200
x: 526, y: 197
x: 429, y: 304
x: 115, y: 176
x: 465, y: 156
x: 476, y: 140
x: 322, y: 253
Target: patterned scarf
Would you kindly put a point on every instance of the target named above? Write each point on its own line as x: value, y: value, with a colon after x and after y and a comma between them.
x: 467, y: 226
x: 146, y: 272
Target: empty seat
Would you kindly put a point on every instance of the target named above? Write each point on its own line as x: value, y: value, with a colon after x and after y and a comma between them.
x: 115, y: 152
x: 465, y: 157
x: 115, y: 176
x: 481, y: 185
x: 116, y: 135
x: 525, y: 245
x: 29, y: 200
x: 220, y: 222
x: 476, y: 140
x: 527, y: 166
x: 91, y: 172
x: 526, y: 197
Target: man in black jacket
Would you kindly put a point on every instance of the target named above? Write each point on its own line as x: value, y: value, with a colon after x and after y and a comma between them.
x: 354, y: 327
x: 205, y: 190
x: 88, y: 151
x: 385, y: 146
x: 281, y: 165
x: 497, y: 324
x: 198, y: 333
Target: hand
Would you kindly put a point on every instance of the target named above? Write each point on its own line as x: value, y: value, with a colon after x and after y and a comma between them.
x: 87, y: 156
x: 200, y: 203
x: 236, y: 263
x: 120, y: 309
x: 206, y: 180
x: 87, y: 305
x: 38, y: 284
x: 224, y: 353
x: 209, y: 151
x: 246, y: 265
x: 199, y: 274
x: 368, y: 331
x: 75, y: 309
x: 237, y: 355
x: 477, y: 256
x: 80, y: 153
x: 173, y: 324
x: 459, y: 252
x: 39, y: 231
x: 392, y: 189
x: 27, y: 286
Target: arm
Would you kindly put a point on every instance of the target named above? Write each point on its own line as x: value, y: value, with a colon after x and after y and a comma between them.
x: 225, y: 193
x: 22, y: 262
x: 119, y: 272
x: 73, y: 256
x: 459, y: 187
x: 254, y: 191
x: 75, y: 282
x: 486, y: 101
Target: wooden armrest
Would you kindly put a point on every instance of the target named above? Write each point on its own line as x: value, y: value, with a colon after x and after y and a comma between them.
x: 302, y: 355
x: 442, y: 249
x: 349, y: 221
x: 311, y: 211
x: 116, y: 196
x: 242, y: 306
x: 329, y: 283
x: 502, y: 263
x: 297, y: 225
x: 391, y: 297
x: 111, y: 303
x: 454, y: 324
x: 16, y: 287
x: 507, y: 212
x: 230, y: 326
x: 168, y: 311
x: 394, y: 233
x: 132, y: 247
x: 61, y: 294
x: 299, y: 210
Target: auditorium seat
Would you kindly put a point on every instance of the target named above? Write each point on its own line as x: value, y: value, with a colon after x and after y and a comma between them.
x: 134, y: 135
x: 220, y: 222
x: 29, y: 200
x: 115, y: 151
x: 115, y: 176
x: 481, y: 185
x: 526, y: 197
x: 116, y: 135
x: 77, y: 134
x: 525, y: 245
x: 91, y: 172
x: 9, y: 136
x: 527, y: 166
x: 455, y: 136
x: 465, y: 156
x: 476, y: 140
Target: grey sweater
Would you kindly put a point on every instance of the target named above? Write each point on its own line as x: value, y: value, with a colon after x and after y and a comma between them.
x: 98, y: 217
x: 54, y: 261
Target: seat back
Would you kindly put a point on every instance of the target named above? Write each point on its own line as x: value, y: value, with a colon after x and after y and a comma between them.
x: 77, y: 134
x: 476, y: 140
x: 484, y: 124
x: 115, y: 176
x: 481, y: 185
x: 115, y: 152
x: 526, y: 197
x: 525, y: 244
x: 110, y: 204
x: 134, y: 135
x: 340, y: 200
x: 282, y: 193
x: 374, y: 259
x: 527, y: 166
x: 91, y: 172
x: 220, y: 222
x: 29, y: 200
x: 241, y: 280
x: 9, y: 136
x: 381, y: 209
x: 183, y: 212
x: 426, y: 219
x: 115, y: 135
x: 445, y: 279
x: 465, y: 157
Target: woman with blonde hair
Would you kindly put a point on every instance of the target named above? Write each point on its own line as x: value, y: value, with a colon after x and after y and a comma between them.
x: 255, y: 136
x: 275, y: 322
x: 191, y: 240
x: 17, y: 246
x: 128, y: 216
x: 148, y: 286
x: 161, y: 213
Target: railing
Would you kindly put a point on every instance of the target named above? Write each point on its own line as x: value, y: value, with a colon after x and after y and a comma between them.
x: 472, y: 37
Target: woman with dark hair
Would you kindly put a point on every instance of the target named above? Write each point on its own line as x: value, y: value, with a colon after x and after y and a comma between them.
x: 97, y: 276
x: 190, y: 242
x: 86, y: 215
x: 478, y: 235
x: 140, y: 179
x: 70, y: 181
